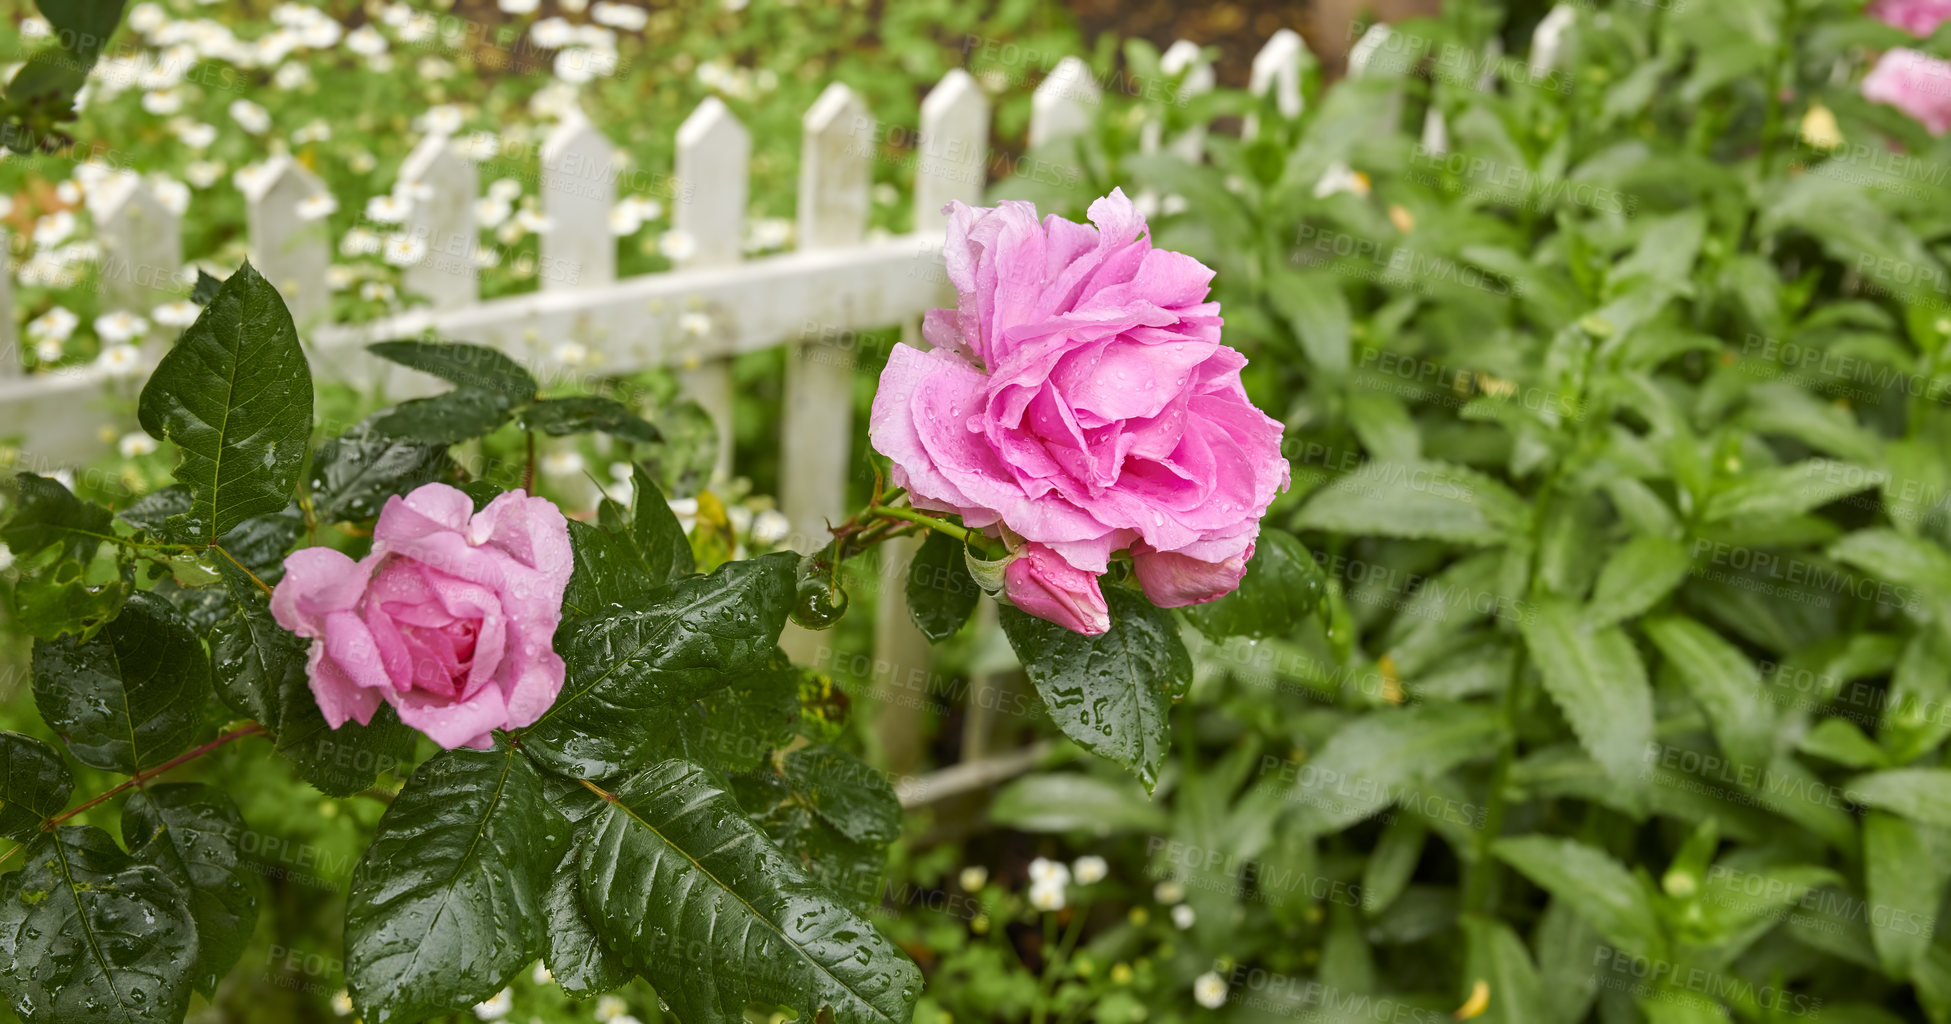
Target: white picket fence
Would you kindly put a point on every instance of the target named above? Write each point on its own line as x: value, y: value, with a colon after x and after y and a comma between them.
x: 836, y: 280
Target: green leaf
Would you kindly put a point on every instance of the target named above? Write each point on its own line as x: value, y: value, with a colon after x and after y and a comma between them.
x: 1415, y: 500
x: 130, y: 698
x: 1317, y: 312
x: 67, y: 582
x: 259, y: 670
x: 845, y: 792
x: 661, y: 545
x: 1842, y: 742
x: 582, y: 414
x: 1724, y: 682
x: 1071, y: 802
x: 1905, y: 866
x: 191, y: 831
x: 1497, y: 957
x: 577, y: 957
x: 353, y: 475
x: 606, y: 576
x: 941, y: 593
x: 448, y: 902
x: 1783, y: 491
x: 48, y: 514
x: 1910, y: 562
x: 445, y: 419
x: 235, y: 394
x: 469, y: 367
x: 205, y: 288
x: 1638, y: 576
x: 1597, y: 888
x: 677, y: 878
x: 1920, y: 794
x: 34, y: 785
x: 89, y: 935
x: 627, y: 668
x: 1374, y: 759
x: 1596, y: 679
x: 1283, y: 585
x: 1112, y: 693
x: 1914, y: 718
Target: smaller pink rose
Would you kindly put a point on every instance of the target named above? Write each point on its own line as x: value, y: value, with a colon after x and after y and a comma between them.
x: 1173, y: 580
x: 1917, y: 84
x: 1918, y: 17
x: 1039, y: 582
x: 451, y: 618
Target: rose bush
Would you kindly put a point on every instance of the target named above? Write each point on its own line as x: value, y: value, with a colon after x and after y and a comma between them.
x: 1078, y: 402
x: 449, y: 619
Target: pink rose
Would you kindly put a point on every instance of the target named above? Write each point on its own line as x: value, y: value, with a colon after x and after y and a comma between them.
x: 1079, y: 395
x: 1918, y: 17
x: 451, y: 618
x: 1038, y: 581
x: 1914, y: 83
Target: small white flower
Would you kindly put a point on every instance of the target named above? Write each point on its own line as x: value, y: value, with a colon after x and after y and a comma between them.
x: 575, y: 6
x: 366, y: 41
x: 1183, y: 916
x: 204, y: 173
x: 694, y: 325
x: 147, y: 17
x: 496, y: 1006
x: 534, y: 222
x: 540, y: 975
x: 6, y: 558
x: 885, y: 194
x: 33, y: 28
x: 404, y: 250
x: 135, y: 444
x: 609, y: 1008
x: 444, y: 119
x: 339, y: 278
x: 647, y: 209
x: 317, y: 206
x: 376, y: 291
x: 624, y: 220
x: 181, y: 313
x: 771, y: 233
x: 973, y: 877
x: 250, y: 117
x: 489, y: 213
x: 119, y: 360
x: 120, y: 326
x: 505, y: 189
x: 196, y: 134
x: 174, y: 196
x: 686, y: 511
x: 361, y: 161
x: 1210, y: 990
x: 388, y: 209
x: 552, y: 33
x: 624, y: 16
x: 48, y: 350
x: 1044, y: 871
x: 1169, y: 892
x: 291, y: 76
x: 433, y: 69
x: 479, y: 146
x: 54, y: 228
x: 1090, y: 869
x: 1047, y: 896
x: 6, y: 206
x: 68, y: 192
x: 518, y: 6
x: 359, y: 242
x: 770, y: 527
x: 677, y: 245
x: 54, y: 325
x: 486, y: 257
x: 342, y: 1003
x: 562, y: 463
x: 1339, y: 177
x: 572, y: 353
x: 162, y: 102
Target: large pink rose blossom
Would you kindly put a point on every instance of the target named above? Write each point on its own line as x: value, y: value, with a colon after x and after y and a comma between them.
x: 1078, y: 401
x: 1915, y: 83
x: 451, y: 618
x: 1918, y: 17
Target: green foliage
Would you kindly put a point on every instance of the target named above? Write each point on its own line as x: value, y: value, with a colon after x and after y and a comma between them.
x: 132, y: 697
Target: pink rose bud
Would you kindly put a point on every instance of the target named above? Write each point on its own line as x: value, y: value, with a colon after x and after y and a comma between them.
x: 1918, y: 17
x: 1914, y: 83
x: 1079, y: 396
x: 451, y: 619
x: 1040, y: 583
x: 1173, y: 580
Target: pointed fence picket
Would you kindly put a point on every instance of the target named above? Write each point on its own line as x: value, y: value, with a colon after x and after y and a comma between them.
x: 815, y: 301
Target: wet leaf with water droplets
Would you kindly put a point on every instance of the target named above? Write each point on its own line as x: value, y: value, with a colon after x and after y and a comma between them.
x: 34, y: 785
x: 1283, y: 585
x: 131, y: 697
x: 191, y: 830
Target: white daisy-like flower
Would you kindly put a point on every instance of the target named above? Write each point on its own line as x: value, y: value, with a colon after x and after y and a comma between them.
x: 49, y: 350
x: 678, y: 246
x: 1090, y: 869
x: 317, y: 131
x: 196, y: 134
x: 360, y: 161
x: 575, y: 6
x: 533, y: 222
x: 68, y: 192
x: 540, y: 974
x: 1339, y: 177
x: 359, y: 242
x: 971, y: 878
x: 342, y: 1003
x: 770, y: 527
x: 885, y: 194
x: 647, y: 209
x: 444, y: 119
x: 339, y: 278
x: 1047, y: 897
x: 249, y: 176
x: 624, y: 220
x: 54, y: 325
x: 479, y: 146
x: 119, y: 360
x: 291, y: 76
x: 321, y: 33
x: 250, y: 117
x: 6, y: 558
x: 509, y: 233
x: 772, y: 233
x: 204, y: 173
x: 609, y: 1008
x: 685, y: 509
x: 317, y: 206
x: 181, y: 313
x: 6, y: 205
x: 487, y: 256
x: 496, y: 1006
x: 433, y: 69
x: 32, y: 27
x: 568, y: 462
x: 404, y: 250
x: 147, y: 17
x: 366, y: 41
x: 1183, y: 916
x: 552, y: 33
x: 120, y: 326
x: 628, y: 17
x: 135, y: 444
x: 518, y: 7
x: 1209, y: 990
x: 694, y: 324
x: 572, y: 353
x: 1046, y: 871
x: 162, y: 102
x: 54, y: 228
x: 388, y: 209
x: 173, y: 195
x: 505, y: 189
x: 1169, y: 891
x: 376, y: 291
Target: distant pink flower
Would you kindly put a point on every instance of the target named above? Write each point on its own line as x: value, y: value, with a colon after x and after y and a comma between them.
x: 450, y: 619
x: 1039, y: 582
x: 1917, y: 84
x: 1079, y: 399
x: 1918, y: 17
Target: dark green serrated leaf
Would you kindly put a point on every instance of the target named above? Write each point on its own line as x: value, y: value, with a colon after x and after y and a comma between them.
x: 34, y: 785
x: 48, y: 514
x: 192, y: 830
x: 844, y: 791
x: 846, y: 868
x: 1638, y: 576
x: 353, y: 475
x: 1724, y: 682
x: 1597, y: 888
x: 941, y: 593
x: 1416, y: 500
x: 445, y: 419
x: 1920, y: 794
x: 1283, y: 585
x: 654, y: 529
x: 90, y: 936
x: 1112, y: 693
x: 602, y: 579
x: 130, y: 698
x: 1787, y: 490
x: 447, y: 904
x: 582, y: 414
x: 1596, y: 678
x: 235, y: 394
x: 729, y: 918
x: 1367, y: 764
x: 469, y: 367
x: 205, y: 288
x: 576, y: 956
x: 626, y: 668
x: 67, y: 597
